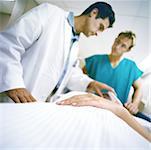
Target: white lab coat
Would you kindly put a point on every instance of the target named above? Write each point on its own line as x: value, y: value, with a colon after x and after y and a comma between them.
x: 33, y: 53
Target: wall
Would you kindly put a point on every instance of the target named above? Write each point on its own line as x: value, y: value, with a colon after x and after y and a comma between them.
x: 4, y: 18
x: 11, y: 10
x: 130, y: 15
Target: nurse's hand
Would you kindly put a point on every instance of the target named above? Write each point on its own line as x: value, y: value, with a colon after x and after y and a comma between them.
x: 96, y: 87
x: 20, y: 95
x: 132, y: 107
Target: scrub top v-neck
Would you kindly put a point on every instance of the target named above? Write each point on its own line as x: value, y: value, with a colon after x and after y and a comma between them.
x: 120, y: 77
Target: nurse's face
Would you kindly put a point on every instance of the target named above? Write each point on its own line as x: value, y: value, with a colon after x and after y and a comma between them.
x: 121, y: 45
x: 93, y: 25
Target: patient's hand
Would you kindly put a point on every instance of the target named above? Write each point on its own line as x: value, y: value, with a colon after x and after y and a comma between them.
x: 20, y: 95
x: 87, y: 100
x: 81, y: 100
x: 132, y: 107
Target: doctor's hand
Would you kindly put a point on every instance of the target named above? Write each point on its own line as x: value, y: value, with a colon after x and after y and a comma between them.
x: 96, y: 87
x: 20, y: 95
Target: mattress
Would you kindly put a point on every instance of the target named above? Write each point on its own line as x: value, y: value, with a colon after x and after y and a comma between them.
x: 50, y: 126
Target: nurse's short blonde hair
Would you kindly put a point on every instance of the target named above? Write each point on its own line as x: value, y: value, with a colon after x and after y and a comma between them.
x: 130, y: 35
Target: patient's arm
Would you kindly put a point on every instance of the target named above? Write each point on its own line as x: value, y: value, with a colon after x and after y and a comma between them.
x: 99, y: 102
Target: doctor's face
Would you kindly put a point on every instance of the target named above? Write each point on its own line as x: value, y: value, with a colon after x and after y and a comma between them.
x: 94, y: 26
x: 121, y: 45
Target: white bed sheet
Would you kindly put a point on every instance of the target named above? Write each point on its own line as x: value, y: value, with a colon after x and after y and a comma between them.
x: 43, y: 126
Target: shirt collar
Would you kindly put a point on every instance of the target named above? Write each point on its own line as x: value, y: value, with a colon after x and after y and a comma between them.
x: 70, y: 19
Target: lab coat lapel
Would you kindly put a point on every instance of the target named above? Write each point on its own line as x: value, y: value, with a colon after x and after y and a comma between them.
x: 72, y: 64
x: 46, y: 59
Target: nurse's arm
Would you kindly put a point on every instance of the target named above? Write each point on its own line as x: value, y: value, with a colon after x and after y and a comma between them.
x: 136, y: 98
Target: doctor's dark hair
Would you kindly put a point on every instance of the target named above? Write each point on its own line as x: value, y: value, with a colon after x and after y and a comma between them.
x: 104, y: 11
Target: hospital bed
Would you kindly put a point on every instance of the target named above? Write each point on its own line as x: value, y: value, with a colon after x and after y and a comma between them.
x: 40, y: 126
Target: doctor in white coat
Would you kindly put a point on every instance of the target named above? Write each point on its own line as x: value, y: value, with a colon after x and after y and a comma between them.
x: 38, y: 53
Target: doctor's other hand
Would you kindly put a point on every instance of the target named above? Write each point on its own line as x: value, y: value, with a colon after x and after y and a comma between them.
x: 96, y: 87
x: 20, y: 95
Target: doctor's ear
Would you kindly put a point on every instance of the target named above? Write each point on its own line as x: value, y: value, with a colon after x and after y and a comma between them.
x: 94, y: 12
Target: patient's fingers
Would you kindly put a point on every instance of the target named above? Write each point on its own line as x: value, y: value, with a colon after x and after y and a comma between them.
x: 76, y: 99
x: 68, y: 101
x: 82, y: 100
x: 86, y: 103
x: 64, y: 102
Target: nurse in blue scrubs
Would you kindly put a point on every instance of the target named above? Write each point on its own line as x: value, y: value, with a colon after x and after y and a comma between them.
x: 118, y: 72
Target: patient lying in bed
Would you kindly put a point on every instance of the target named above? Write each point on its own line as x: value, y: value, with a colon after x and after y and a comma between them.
x: 47, y: 125
x: 87, y: 99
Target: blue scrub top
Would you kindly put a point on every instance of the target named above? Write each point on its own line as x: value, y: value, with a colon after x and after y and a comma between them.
x: 120, y: 78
